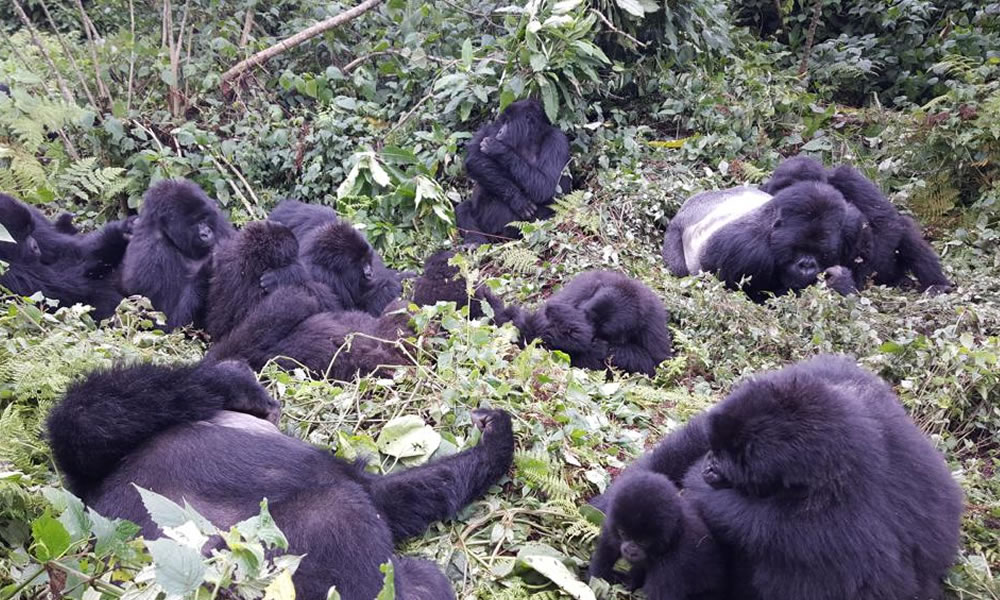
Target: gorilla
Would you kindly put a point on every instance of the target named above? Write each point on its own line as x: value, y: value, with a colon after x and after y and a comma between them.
x: 78, y: 273
x: 671, y: 552
x: 781, y: 243
x: 441, y: 282
x: 516, y: 162
x: 338, y: 256
x: 257, y: 260
x: 599, y: 318
x: 328, y: 246
x: 898, y: 248
x: 196, y: 434
x: 169, y: 257
x: 818, y: 486
x: 291, y: 326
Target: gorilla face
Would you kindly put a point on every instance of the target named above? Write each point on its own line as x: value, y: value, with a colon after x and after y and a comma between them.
x: 807, y: 232
x: 522, y: 120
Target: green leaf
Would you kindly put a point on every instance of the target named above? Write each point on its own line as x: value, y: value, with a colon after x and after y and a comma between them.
x: 507, y: 98
x: 467, y: 52
x: 178, y: 569
x: 168, y: 514
x: 347, y: 186
x: 388, y: 583
x: 378, y: 173
x: 50, y: 537
x: 408, y: 437
x: 262, y: 527
x: 565, y: 6
x: 554, y: 569
x: 281, y: 587
x: 538, y: 62
x: 550, y: 100
x: 633, y: 7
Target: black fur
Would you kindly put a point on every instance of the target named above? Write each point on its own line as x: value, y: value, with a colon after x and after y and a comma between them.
x: 599, y: 318
x: 304, y: 219
x: 819, y: 486
x: 899, y: 247
x: 169, y: 257
x: 441, y: 282
x: 81, y: 271
x: 794, y: 170
x: 516, y: 162
x: 258, y: 259
x: 806, y: 230
x: 671, y: 552
x: 345, y: 520
x: 291, y: 326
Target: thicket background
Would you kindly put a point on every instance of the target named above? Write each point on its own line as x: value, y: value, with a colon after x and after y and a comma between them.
x: 662, y: 98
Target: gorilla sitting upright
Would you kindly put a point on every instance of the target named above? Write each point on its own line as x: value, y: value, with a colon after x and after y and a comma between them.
x: 199, y: 434
x: 516, y: 162
x: 770, y: 245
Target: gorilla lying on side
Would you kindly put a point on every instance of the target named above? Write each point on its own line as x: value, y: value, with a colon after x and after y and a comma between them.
x: 516, y: 162
x: 781, y: 243
x: 672, y: 554
x: 818, y: 486
x: 339, y: 256
x: 188, y: 433
x: 898, y: 246
x: 169, y: 257
x: 291, y: 317
x: 78, y: 270
x: 599, y: 318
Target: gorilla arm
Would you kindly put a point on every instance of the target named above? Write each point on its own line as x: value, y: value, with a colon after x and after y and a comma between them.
x: 112, y: 412
x: 412, y: 499
x: 538, y: 175
x: 491, y: 175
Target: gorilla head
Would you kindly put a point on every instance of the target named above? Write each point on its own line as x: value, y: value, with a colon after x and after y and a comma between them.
x: 185, y: 216
x: 521, y: 121
x: 16, y: 219
x: 811, y: 222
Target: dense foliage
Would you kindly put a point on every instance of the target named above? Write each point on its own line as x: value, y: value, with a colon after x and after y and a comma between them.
x: 661, y: 99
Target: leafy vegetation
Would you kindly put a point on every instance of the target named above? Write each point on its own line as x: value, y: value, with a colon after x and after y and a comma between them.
x: 661, y: 99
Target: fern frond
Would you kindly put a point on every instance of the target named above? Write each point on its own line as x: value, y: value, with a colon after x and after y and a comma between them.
x: 520, y: 259
x: 83, y: 180
x: 536, y: 468
x: 934, y: 201
x: 568, y: 203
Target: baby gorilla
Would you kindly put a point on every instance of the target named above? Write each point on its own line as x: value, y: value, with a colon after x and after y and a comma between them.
x: 338, y: 256
x: 194, y: 434
x: 818, y: 486
x: 257, y: 260
x: 441, y: 282
x: 649, y: 524
x: 768, y: 245
x: 600, y: 317
x: 169, y: 257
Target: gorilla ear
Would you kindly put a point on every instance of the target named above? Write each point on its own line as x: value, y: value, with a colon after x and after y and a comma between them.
x: 722, y: 429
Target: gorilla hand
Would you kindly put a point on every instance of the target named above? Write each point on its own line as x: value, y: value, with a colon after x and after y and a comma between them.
x: 523, y: 207
x: 498, y: 435
x: 840, y: 279
x: 491, y: 146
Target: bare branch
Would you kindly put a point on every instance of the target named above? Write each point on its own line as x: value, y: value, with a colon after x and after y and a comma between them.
x: 69, y: 55
x: 811, y: 36
x: 92, y: 37
x: 131, y: 58
x: 297, y: 39
x: 247, y: 26
x: 67, y: 95
x: 612, y: 27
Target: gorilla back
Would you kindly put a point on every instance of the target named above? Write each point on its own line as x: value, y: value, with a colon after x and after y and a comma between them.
x: 345, y: 520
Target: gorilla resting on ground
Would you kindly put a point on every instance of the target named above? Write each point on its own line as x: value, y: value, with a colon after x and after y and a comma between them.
x: 268, y: 307
x: 169, y: 257
x: 898, y: 247
x: 188, y: 433
x: 780, y: 243
x: 818, y: 486
x: 263, y: 256
x: 338, y: 255
x: 599, y: 318
x: 82, y: 274
x: 516, y: 162
x: 671, y: 552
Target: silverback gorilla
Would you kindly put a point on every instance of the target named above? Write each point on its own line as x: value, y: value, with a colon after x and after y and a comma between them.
x: 196, y: 433
x: 516, y: 162
x: 779, y: 243
x: 818, y: 486
x: 169, y: 257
